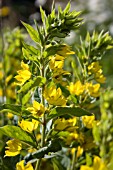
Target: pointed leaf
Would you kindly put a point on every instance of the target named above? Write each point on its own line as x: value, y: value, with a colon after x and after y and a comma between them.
x: 72, y: 111
x: 32, y: 50
x: 67, y: 8
x: 26, y: 98
x: 38, y: 81
x: 28, y: 56
x: 32, y: 32
x: 15, y: 109
x: 17, y: 133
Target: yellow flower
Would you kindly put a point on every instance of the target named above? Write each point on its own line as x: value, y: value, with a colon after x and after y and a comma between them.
x: 95, y: 69
x: 14, y: 147
x: 10, y: 115
x: 88, y: 121
x: 1, y: 92
x: 1, y: 75
x: 65, y: 51
x: 4, y: 11
x: 63, y: 124
x: 8, y: 78
x: 98, y: 164
x: 54, y: 96
x: 93, y: 90
x: 77, y: 88
x: 56, y: 62
x: 28, y: 126
x: 100, y: 77
x: 58, y: 76
x: 71, y: 137
x: 37, y: 110
x: 79, y: 151
x: 20, y: 166
x: 23, y: 75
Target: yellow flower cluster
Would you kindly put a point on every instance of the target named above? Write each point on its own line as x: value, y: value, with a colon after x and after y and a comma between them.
x: 54, y: 96
x: 98, y: 164
x: 57, y: 62
x: 95, y: 69
x: 14, y: 147
x: 23, y: 75
x: 78, y: 88
x: 37, y: 110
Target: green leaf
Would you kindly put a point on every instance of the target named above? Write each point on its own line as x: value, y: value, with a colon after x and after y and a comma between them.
x: 41, y: 37
x: 15, y: 109
x: 67, y: 8
x: 26, y: 98
x: 43, y: 15
x: 17, y: 133
x: 28, y: 56
x: 72, y: 111
x: 32, y: 50
x: 56, y: 164
x: 32, y: 32
x: 53, y: 146
x: 37, y: 82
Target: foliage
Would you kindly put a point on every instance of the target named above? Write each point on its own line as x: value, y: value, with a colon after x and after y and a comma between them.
x: 55, y: 125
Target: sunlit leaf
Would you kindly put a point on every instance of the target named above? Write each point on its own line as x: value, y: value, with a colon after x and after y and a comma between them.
x: 17, y: 133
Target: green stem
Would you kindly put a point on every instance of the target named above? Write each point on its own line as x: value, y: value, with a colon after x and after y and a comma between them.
x: 42, y: 71
x: 37, y: 167
x: 73, y: 161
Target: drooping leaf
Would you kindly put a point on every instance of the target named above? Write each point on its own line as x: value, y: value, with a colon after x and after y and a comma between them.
x: 17, y: 133
x: 72, y: 111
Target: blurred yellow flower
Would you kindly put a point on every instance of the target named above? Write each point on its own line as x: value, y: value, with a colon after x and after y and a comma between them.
x: 63, y: 124
x: 37, y: 110
x: 98, y: 164
x: 79, y: 150
x: 1, y: 92
x: 4, y: 11
x: 23, y: 75
x: 54, y: 96
x: 65, y: 51
x: 28, y: 126
x: 88, y: 121
x: 71, y: 137
x: 10, y: 115
x: 14, y: 147
x: 56, y: 61
x: 93, y: 89
x: 20, y: 166
x: 95, y: 68
x: 77, y: 88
